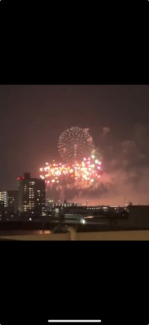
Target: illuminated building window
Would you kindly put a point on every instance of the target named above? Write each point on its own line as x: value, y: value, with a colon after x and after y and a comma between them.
x: 31, y: 183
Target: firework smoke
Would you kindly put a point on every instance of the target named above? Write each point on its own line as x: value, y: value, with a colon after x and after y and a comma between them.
x: 124, y: 174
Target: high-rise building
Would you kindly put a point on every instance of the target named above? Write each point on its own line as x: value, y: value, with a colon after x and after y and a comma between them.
x: 4, y: 198
x: 31, y: 195
x: 1, y: 209
x: 13, y: 200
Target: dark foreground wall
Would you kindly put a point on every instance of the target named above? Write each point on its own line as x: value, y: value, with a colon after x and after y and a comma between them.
x: 139, y: 216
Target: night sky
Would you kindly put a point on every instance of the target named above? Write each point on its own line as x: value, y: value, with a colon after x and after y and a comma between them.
x: 32, y: 118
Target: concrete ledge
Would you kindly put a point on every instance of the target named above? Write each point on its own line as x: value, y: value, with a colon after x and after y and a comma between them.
x: 73, y: 235
x: 38, y: 237
x: 115, y: 235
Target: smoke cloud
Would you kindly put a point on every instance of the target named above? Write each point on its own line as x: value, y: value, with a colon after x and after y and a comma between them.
x: 125, y: 170
x: 125, y: 177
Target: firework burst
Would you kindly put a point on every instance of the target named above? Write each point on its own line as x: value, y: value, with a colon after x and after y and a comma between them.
x: 74, y: 144
x: 79, y: 174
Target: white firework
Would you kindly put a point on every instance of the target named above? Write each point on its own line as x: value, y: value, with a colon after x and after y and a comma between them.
x: 75, y: 143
